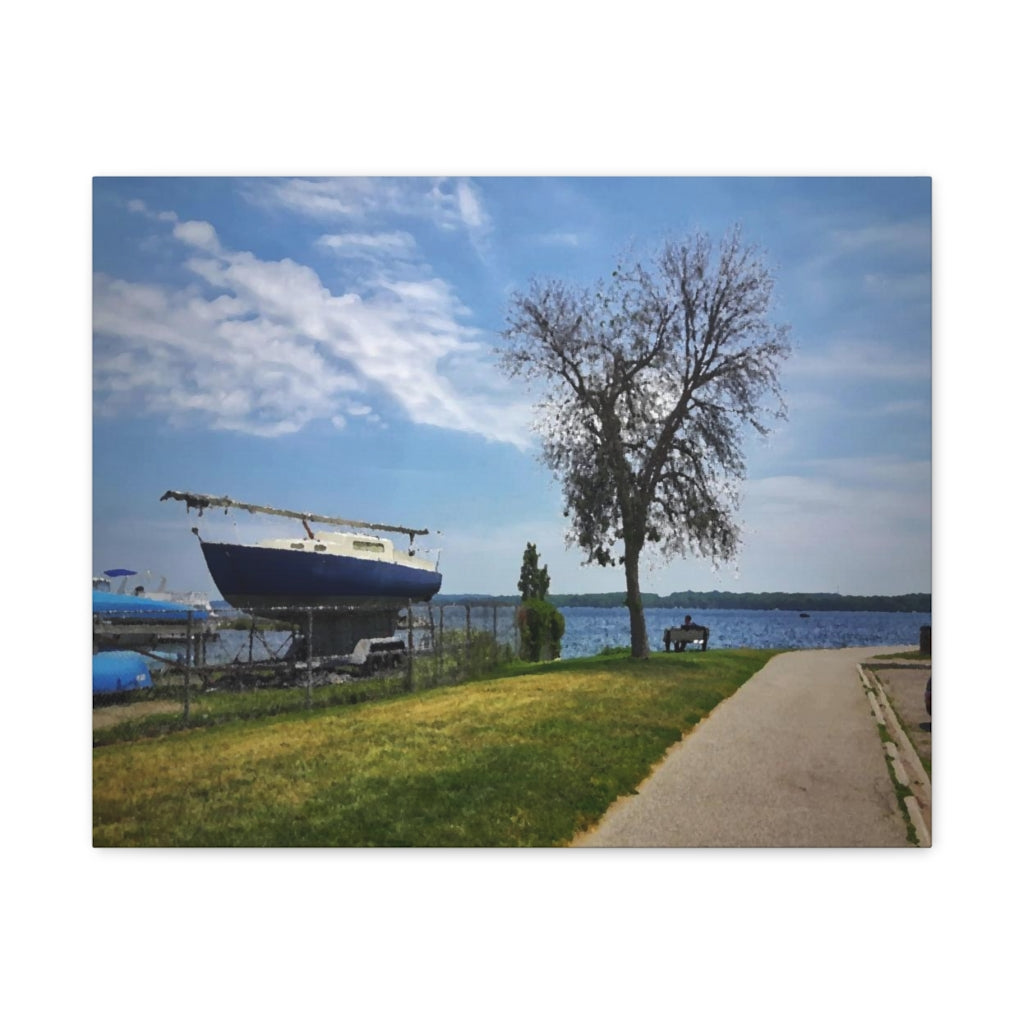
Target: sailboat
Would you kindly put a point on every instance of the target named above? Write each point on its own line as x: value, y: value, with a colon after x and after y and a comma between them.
x: 355, y: 582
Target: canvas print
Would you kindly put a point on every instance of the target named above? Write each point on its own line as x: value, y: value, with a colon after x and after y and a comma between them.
x: 575, y: 512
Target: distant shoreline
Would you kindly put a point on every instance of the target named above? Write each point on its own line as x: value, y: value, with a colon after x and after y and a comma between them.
x: 714, y: 600
x: 724, y: 600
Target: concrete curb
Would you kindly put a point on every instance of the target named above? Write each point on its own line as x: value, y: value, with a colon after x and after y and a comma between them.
x: 900, y: 752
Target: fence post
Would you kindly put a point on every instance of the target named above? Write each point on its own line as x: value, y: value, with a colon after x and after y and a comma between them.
x: 409, y: 653
x: 494, y: 638
x: 309, y: 659
x: 439, y: 647
x: 188, y: 659
x: 433, y: 644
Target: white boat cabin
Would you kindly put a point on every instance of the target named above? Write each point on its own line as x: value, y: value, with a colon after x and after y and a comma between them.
x: 352, y: 545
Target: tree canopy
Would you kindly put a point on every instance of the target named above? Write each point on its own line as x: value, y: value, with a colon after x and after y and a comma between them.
x: 534, y: 582
x: 649, y: 383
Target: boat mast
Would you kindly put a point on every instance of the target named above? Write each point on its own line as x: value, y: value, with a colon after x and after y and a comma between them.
x: 201, y: 501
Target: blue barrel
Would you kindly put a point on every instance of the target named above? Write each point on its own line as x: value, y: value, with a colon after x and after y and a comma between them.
x: 114, y: 671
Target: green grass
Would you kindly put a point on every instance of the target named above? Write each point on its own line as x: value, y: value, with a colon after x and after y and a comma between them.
x: 525, y: 759
x: 902, y: 656
x: 226, y: 702
x: 213, y: 708
x: 902, y: 791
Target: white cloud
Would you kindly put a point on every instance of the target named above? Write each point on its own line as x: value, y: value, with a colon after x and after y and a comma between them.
x: 865, y: 522
x: 470, y: 208
x: 905, y: 407
x: 899, y: 287
x: 855, y: 525
x: 445, y: 203
x: 862, y: 360
x: 889, y: 260
x: 842, y: 502
x: 567, y: 239
x: 874, y: 472
x: 192, y: 359
x: 322, y: 199
x: 197, y: 233
x: 913, y: 236
x: 367, y: 245
x: 138, y: 206
x: 264, y: 347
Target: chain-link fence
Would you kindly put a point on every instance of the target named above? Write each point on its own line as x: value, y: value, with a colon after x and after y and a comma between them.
x: 249, y: 665
x: 452, y: 643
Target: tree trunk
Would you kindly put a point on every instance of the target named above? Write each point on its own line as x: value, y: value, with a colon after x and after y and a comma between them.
x: 637, y: 622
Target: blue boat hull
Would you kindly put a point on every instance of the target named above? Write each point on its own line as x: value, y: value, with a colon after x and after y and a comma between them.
x: 254, y: 577
x: 118, y: 671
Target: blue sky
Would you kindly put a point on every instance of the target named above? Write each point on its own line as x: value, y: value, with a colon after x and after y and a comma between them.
x: 328, y: 344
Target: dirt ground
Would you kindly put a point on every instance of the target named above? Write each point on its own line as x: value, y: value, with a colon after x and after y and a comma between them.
x: 904, y: 686
x: 103, y: 718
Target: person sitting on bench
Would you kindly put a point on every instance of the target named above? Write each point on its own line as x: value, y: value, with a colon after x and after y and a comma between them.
x: 672, y: 636
x: 688, y: 623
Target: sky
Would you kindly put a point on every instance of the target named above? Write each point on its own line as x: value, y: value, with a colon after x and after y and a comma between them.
x: 330, y: 345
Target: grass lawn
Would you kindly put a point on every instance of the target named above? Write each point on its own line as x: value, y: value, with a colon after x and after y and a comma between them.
x: 903, y: 656
x: 523, y: 760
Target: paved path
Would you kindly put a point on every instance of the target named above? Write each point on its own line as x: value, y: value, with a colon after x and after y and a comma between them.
x: 793, y: 758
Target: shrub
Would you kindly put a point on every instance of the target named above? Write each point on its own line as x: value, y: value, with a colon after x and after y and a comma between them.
x: 541, y: 628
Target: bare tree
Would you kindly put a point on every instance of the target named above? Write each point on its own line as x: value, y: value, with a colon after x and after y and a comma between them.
x: 649, y: 384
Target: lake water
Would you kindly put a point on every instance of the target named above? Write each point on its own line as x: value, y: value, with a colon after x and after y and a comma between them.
x: 239, y: 644
x: 588, y: 630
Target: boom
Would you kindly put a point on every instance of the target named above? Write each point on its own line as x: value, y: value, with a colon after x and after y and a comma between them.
x: 202, y: 501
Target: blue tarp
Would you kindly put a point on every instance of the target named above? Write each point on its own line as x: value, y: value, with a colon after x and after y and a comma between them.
x: 129, y: 608
x: 115, y: 671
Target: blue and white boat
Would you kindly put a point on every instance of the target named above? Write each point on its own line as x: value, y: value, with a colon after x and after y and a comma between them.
x: 356, y: 583
x: 141, y: 586
x: 325, y: 570
x: 122, y: 622
x: 131, y: 609
x: 118, y: 672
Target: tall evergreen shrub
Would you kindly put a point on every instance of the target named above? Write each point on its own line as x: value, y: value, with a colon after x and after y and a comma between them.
x: 541, y: 624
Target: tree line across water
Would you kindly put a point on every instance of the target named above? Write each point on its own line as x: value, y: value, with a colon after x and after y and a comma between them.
x: 691, y: 599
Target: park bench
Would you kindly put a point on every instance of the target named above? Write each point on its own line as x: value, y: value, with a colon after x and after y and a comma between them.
x: 677, y: 637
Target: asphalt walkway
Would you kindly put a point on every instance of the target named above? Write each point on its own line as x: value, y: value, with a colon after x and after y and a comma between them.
x: 792, y: 759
